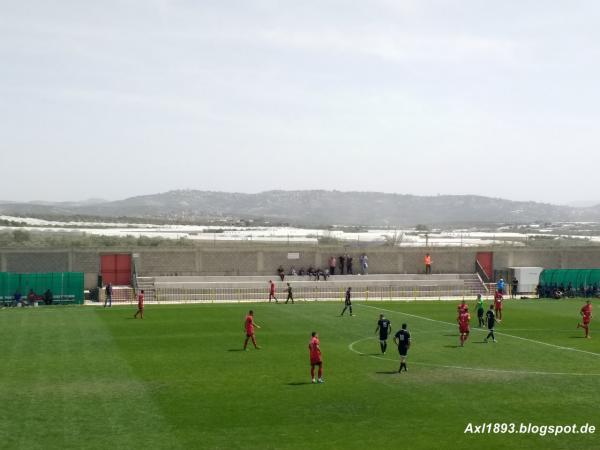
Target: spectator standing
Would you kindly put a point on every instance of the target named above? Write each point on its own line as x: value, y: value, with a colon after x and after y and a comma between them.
x: 350, y: 269
x: 427, y: 264
x: 500, y: 286
x: 342, y: 260
x: 332, y: 264
x: 364, y: 264
x: 281, y: 272
x: 109, y: 292
x: 514, y: 288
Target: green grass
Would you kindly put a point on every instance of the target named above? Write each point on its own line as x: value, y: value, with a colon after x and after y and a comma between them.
x: 86, y: 377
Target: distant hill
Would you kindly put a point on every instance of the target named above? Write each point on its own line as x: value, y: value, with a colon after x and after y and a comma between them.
x: 317, y: 207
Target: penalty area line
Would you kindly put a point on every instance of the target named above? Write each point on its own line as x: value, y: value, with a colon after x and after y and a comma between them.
x: 499, y: 333
x: 478, y: 369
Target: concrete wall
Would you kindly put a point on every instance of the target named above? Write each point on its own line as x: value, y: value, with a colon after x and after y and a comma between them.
x: 256, y: 259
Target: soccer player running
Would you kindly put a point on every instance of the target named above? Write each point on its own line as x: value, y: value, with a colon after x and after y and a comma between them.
x: 402, y: 340
x: 140, y: 309
x: 290, y: 295
x: 348, y: 302
x: 314, y: 349
x: 491, y: 322
x: 586, y: 314
x: 384, y: 326
x: 498, y: 298
x: 272, y: 292
x: 249, y: 326
x: 480, y: 310
x: 463, y: 326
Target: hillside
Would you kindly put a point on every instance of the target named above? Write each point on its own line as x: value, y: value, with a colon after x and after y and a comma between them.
x: 318, y: 208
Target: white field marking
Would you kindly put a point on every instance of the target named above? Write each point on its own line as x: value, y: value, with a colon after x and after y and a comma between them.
x: 479, y: 369
x: 559, y: 347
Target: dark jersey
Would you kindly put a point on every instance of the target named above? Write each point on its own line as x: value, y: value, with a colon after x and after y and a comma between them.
x: 289, y: 290
x: 348, y: 295
x: 490, y: 318
x: 403, y: 337
x: 384, y: 328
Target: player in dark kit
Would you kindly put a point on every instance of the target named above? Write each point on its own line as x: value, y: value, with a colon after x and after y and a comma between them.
x: 290, y: 295
x: 490, y: 317
x: 384, y: 326
x: 402, y: 340
x: 348, y: 302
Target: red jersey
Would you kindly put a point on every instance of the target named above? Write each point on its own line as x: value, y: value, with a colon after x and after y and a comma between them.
x: 463, y: 319
x: 463, y: 307
x: 313, y: 348
x: 249, y: 325
x: 498, y: 299
x: 140, y: 300
x: 272, y: 288
x: 586, y: 311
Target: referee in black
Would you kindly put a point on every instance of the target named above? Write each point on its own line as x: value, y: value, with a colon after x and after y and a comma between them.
x: 402, y: 340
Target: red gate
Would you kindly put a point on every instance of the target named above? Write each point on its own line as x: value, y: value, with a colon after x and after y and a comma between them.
x: 116, y: 269
x: 486, y: 261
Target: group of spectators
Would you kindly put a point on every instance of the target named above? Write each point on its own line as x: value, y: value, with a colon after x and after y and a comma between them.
x: 32, y: 298
x: 344, y: 265
x: 560, y: 291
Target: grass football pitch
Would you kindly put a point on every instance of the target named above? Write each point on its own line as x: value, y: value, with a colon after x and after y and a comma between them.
x: 87, y: 377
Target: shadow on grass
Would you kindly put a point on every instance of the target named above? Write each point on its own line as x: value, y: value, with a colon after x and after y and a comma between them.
x: 371, y: 354
x: 452, y: 346
x: 576, y: 337
x: 299, y: 383
x: 235, y: 350
x: 389, y: 372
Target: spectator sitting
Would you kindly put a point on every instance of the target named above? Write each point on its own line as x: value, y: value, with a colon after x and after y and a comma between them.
x: 311, y: 272
x: 292, y: 271
x: 48, y: 298
x: 301, y: 272
x: 31, y: 297
x: 18, y: 299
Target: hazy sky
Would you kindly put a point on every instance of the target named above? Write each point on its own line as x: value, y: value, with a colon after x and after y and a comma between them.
x: 119, y: 98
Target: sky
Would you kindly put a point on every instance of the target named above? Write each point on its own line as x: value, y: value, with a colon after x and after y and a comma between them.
x: 120, y: 98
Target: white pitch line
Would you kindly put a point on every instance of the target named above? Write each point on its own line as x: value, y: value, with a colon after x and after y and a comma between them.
x: 479, y: 369
x: 559, y: 347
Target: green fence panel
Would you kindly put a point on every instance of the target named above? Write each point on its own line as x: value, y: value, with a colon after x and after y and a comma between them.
x: 60, y: 283
x: 577, y: 277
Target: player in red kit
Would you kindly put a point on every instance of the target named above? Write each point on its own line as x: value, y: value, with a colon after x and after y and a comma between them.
x: 462, y: 307
x: 249, y: 326
x: 315, y: 357
x: 463, y: 326
x: 272, y: 292
x: 140, y: 309
x: 498, y: 298
x: 586, y: 314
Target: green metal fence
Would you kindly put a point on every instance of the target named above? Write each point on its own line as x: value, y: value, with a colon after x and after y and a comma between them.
x: 62, y: 284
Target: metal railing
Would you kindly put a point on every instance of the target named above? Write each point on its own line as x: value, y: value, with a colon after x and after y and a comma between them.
x: 224, y: 295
